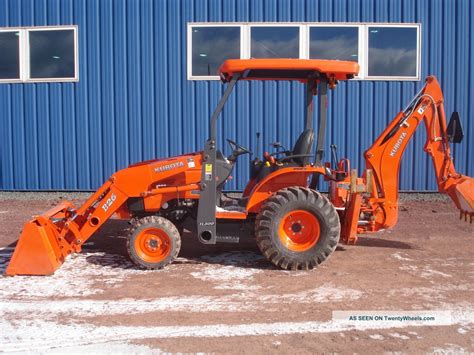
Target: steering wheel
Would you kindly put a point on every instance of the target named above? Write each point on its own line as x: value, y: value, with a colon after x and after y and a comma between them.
x: 237, y: 147
x: 237, y: 150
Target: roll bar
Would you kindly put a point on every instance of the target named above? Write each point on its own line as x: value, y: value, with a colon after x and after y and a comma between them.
x: 316, y: 84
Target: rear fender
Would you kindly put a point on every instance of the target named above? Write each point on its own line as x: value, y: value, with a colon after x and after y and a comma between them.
x: 280, y: 179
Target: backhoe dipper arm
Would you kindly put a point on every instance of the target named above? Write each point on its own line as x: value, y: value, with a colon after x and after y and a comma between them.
x: 385, y: 155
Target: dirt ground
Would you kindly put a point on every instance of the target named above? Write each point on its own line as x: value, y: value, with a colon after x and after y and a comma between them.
x: 228, y: 299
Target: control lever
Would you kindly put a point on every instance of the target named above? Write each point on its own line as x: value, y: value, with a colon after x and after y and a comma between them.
x: 277, y: 145
x: 334, y: 159
x: 258, y: 145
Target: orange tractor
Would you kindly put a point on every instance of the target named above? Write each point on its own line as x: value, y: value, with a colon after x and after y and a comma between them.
x: 296, y: 227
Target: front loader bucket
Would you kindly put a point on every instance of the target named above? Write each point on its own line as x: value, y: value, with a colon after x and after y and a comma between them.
x: 39, y: 250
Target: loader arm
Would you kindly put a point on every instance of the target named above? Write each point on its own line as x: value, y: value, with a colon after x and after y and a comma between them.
x: 385, y: 155
x: 47, y: 240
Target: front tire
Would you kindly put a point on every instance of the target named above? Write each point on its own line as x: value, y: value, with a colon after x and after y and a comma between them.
x: 178, y: 224
x: 297, y: 228
x: 153, y: 243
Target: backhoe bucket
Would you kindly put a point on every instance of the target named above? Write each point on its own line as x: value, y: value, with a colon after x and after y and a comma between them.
x: 39, y: 250
x: 462, y: 193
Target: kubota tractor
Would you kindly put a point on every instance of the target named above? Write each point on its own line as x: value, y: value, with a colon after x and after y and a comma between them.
x: 296, y: 227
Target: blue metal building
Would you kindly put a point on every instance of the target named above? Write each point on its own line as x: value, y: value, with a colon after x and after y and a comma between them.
x: 133, y: 100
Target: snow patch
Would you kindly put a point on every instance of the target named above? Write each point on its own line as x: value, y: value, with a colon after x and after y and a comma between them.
x: 226, y: 270
x: 228, y: 277
x: 37, y: 333
x: 324, y: 293
x: 250, y: 302
x: 34, y: 335
x: 76, y: 277
x: 399, y: 336
x: 377, y: 337
x: 426, y: 272
x: 449, y: 350
x: 400, y: 257
x: 109, y: 348
x: 436, y: 292
x: 93, y: 308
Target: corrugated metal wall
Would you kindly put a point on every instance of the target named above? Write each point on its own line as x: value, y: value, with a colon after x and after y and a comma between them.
x: 133, y: 101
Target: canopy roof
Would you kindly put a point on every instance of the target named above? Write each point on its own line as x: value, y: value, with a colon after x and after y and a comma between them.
x: 288, y: 69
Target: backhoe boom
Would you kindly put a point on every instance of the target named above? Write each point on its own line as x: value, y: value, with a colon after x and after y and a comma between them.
x: 379, y: 209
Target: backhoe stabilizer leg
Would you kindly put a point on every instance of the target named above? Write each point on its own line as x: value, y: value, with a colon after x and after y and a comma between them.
x: 351, y: 219
x: 352, y: 212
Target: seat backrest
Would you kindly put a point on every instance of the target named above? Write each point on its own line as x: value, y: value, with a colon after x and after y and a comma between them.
x: 303, y: 145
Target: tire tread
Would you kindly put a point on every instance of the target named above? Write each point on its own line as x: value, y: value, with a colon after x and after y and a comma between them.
x: 265, y: 236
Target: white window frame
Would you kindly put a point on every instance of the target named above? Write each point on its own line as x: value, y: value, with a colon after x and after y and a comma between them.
x: 20, y: 55
x: 360, y: 44
x: 418, y: 53
x: 243, y: 53
x: 363, y: 49
x: 301, y: 43
x: 24, y: 55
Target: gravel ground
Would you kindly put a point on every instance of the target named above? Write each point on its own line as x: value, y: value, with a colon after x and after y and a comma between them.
x: 227, y: 298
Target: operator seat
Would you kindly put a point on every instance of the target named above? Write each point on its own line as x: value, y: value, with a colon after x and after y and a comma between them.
x: 302, y: 146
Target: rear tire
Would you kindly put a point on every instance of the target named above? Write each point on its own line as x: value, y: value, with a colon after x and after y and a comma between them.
x: 153, y: 243
x: 297, y: 228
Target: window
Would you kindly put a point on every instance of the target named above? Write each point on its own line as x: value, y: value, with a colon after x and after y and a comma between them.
x: 383, y: 51
x: 211, y: 46
x: 274, y: 42
x: 52, y: 54
x: 37, y: 54
x: 10, y: 57
x: 392, y: 52
x: 341, y: 43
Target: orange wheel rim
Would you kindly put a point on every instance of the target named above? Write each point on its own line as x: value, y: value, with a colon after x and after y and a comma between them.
x: 299, y: 230
x: 152, y: 245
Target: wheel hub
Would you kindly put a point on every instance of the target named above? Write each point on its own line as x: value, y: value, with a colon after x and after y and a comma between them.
x: 299, y: 230
x: 296, y: 227
x: 153, y: 245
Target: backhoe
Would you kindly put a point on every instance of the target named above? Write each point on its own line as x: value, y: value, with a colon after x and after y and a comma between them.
x: 295, y: 225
